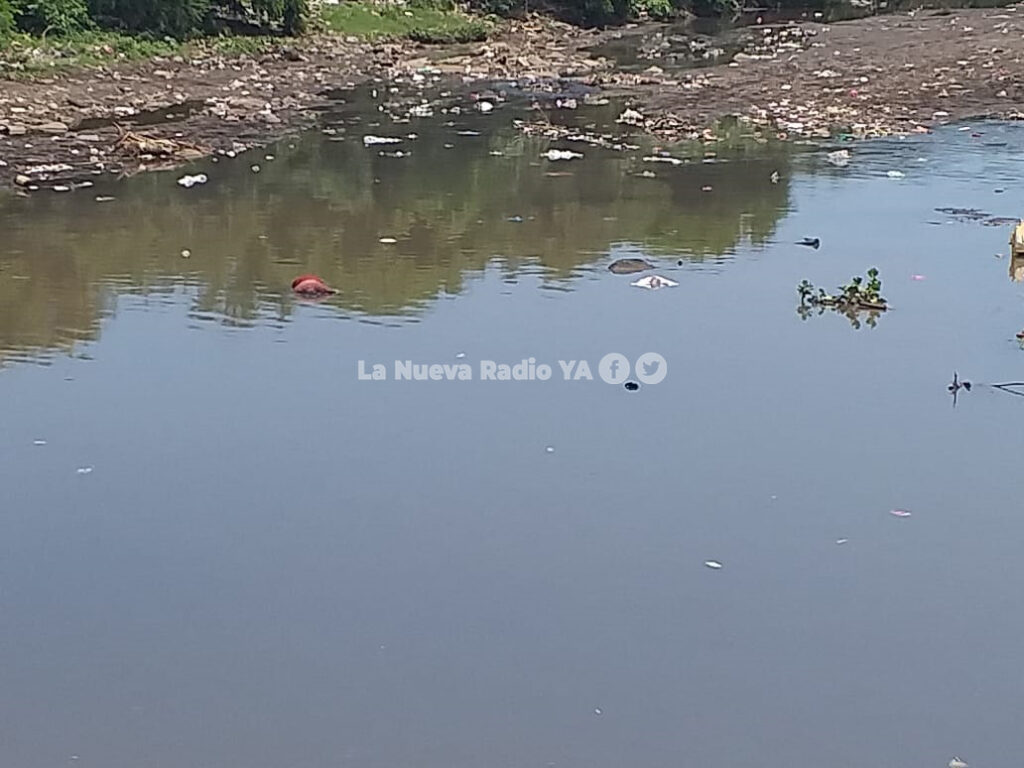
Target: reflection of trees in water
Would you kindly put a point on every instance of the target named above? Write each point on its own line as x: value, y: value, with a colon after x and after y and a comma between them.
x: 322, y: 206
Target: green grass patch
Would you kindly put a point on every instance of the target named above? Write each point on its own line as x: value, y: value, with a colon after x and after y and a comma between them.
x: 21, y: 53
x: 32, y: 55
x: 425, y: 24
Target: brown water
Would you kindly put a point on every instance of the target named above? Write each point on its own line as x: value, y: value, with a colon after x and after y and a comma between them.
x: 229, y: 551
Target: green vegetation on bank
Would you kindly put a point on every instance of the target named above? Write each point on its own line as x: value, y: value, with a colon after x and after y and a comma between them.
x: 179, y: 19
x: 426, y: 22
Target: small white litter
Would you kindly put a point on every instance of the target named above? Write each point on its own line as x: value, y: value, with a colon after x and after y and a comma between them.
x: 840, y: 158
x: 654, y: 282
x: 713, y: 565
x: 561, y: 154
x: 190, y: 181
x: 369, y: 141
x: 663, y: 159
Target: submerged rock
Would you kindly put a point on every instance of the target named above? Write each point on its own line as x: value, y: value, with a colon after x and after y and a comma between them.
x: 629, y: 266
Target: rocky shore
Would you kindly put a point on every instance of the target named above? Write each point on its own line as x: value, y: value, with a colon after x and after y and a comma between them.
x: 882, y: 75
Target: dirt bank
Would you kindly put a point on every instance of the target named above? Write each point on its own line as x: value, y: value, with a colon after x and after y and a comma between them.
x: 875, y: 76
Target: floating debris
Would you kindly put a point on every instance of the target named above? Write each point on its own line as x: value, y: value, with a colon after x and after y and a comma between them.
x: 895, y: 174
x: 631, y: 386
x: 255, y: 169
x: 810, y: 242
x: 900, y: 512
x: 311, y: 285
x: 774, y: 178
x: 713, y: 565
x: 84, y: 470
x: 186, y: 253
x: 387, y: 240
x: 484, y: 106
x: 549, y: 449
x: 664, y: 159
x: 190, y: 181
x: 38, y: 442
x: 840, y: 542
x: 561, y: 154
x: 1017, y: 240
x: 840, y: 158
x: 654, y: 282
x: 629, y: 266
x: 105, y: 199
x: 369, y: 141
x: 630, y: 117
x: 956, y: 762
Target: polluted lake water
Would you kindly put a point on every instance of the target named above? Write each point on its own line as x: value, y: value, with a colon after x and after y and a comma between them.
x: 225, y: 540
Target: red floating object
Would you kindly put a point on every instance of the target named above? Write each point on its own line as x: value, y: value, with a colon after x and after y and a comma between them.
x: 311, y: 285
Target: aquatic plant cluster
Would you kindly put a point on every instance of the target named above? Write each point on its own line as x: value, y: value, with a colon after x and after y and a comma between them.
x: 860, y: 295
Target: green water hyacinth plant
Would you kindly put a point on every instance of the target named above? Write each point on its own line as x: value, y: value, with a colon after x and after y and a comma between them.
x: 860, y: 296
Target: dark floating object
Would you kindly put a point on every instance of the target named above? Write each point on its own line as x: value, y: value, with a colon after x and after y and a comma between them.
x: 311, y: 285
x: 810, y: 242
x: 629, y: 266
x: 679, y: 263
x: 956, y: 385
x: 632, y: 386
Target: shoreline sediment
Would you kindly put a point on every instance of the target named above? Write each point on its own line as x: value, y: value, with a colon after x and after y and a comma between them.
x: 882, y: 75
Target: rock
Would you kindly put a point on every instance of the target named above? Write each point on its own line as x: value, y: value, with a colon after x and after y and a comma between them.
x: 54, y: 127
x: 629, y: 266
x: 22, y: 180
x: 14, y: 129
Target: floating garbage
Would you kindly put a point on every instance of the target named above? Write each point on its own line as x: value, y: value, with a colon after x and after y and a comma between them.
x: 630, y: 117
x: 654, y: 282
x: 632, y: 386
x: 104, y: 199
x: 1017, y: 240
x: 629, y: 266
x: 84, y: 470
x: 840, y: 542
x: 186, y: 253
x: 900, y: 512
x: 895, y: 174
x: 663, y: 159
x: 311, y: 285
x: 840, y: 158
x: 956, y: 762
x: 561, y: 154
x: 369, y: 141
x: 190, y: 181
x: 484, y: 106
x: 387, y: 240
x: 774, y: 178
x: 810, y: 242
x: 255, y: 169
x: 713, y: 565
x: 549, y: 449
x: 38, y: 442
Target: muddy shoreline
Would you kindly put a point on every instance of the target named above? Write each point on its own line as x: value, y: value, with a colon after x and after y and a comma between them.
x: 882, y: 75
